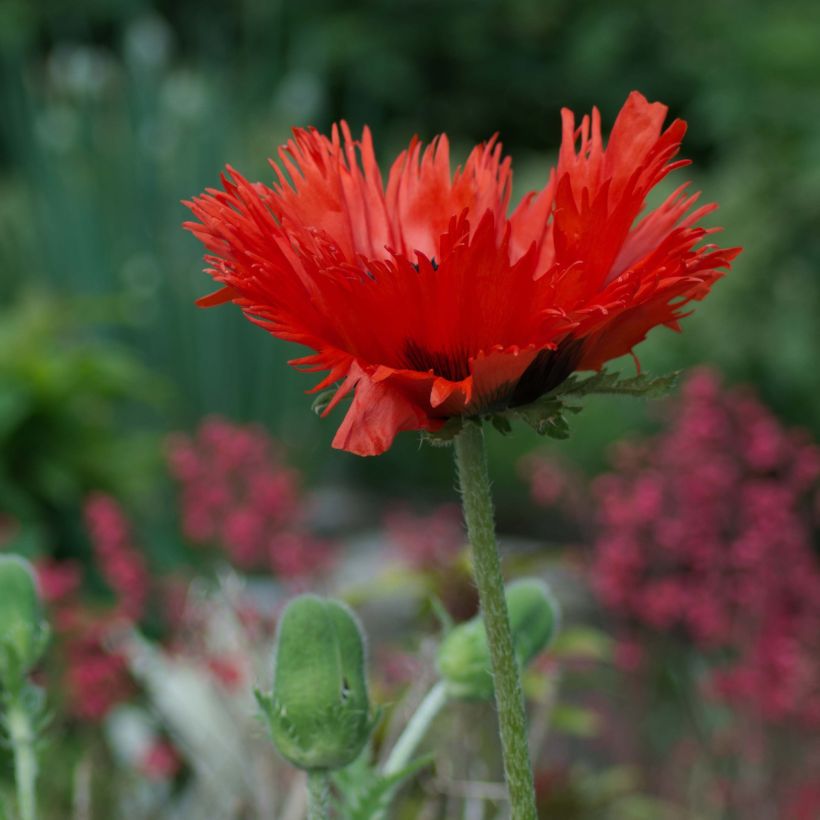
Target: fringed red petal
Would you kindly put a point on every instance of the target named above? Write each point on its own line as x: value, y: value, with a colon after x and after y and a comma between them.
x: 424, y: 300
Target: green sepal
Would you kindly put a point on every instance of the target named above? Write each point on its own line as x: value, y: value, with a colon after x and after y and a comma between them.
x: 463, y: 658
x: 24, y: 633
x: 318, y: 712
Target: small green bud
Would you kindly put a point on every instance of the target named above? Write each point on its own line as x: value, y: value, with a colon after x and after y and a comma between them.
x: 23, y: 630
x: 318, y: 712
x: 464, y: 655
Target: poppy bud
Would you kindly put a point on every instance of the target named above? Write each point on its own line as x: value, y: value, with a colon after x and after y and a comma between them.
x: 23, y: 630
x: 464, y: 655
x: 318, y: 711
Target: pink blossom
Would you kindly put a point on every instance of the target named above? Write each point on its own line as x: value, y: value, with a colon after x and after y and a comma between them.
x: 426, y: 541
x: 121, y: 563
x: 707, y: 531
x: 160, y: 761
x: 238, y: 495
x: 58, y: 580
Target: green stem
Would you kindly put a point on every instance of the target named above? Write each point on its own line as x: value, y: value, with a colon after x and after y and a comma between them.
x: 21, y: 735
x: 415, y: 730
x: 318, y: 795
x: 474, y: 482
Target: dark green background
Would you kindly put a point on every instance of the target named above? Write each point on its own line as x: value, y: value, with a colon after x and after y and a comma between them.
x: 112, y: 112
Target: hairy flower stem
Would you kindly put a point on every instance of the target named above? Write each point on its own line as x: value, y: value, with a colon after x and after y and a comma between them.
x: 21, y: 737
x: 474, y: 483
x: 318, y: 795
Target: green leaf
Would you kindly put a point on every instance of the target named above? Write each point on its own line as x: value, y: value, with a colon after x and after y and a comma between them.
x: 366, y: 794
x: 607, y: 383
x: 546, y: 417
x: 539, y: 414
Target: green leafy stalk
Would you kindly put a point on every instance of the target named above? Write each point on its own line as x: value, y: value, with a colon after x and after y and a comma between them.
x: 478, y: 512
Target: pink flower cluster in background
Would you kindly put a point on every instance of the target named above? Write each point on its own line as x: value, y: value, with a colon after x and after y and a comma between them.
x: 93, y: 678
x: 426, y: 541
x: 237, y: 494
x: 709, y: 531
x: 554, y: 484
x: 119, y: 561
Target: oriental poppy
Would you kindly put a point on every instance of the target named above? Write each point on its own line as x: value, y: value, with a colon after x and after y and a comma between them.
x: 426, y: 299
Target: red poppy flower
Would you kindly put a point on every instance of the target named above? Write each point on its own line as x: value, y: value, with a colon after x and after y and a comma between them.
x: 426, y: 299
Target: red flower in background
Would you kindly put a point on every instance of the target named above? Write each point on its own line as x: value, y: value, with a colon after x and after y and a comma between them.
x: 428, y: 301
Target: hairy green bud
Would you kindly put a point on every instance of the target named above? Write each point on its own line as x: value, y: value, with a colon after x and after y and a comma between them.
x: 23, y: 630
x: 318, y: 711
x: 464, y: 655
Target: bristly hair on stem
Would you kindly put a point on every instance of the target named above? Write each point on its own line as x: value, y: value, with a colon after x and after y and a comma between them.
x: 474, y: 484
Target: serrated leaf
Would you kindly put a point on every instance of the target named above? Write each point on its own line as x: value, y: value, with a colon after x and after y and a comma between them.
x: 545, y: 417
x: 553, y: 425
x: 556, y: 427
x: 369, y: 799
x: 606, y: 383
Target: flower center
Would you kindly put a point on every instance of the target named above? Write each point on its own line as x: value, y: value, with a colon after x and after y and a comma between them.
x: 548, y: 369
x: 451, y: 365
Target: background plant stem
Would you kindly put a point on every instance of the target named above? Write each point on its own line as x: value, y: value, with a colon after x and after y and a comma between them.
x: 21, y: 735
x: 318, y: 795
x: 474, y: 483
x: 416, y: 729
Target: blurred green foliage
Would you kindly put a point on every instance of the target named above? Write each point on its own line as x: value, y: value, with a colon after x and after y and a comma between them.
x: 65, y: 401
x: 115, y: 111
